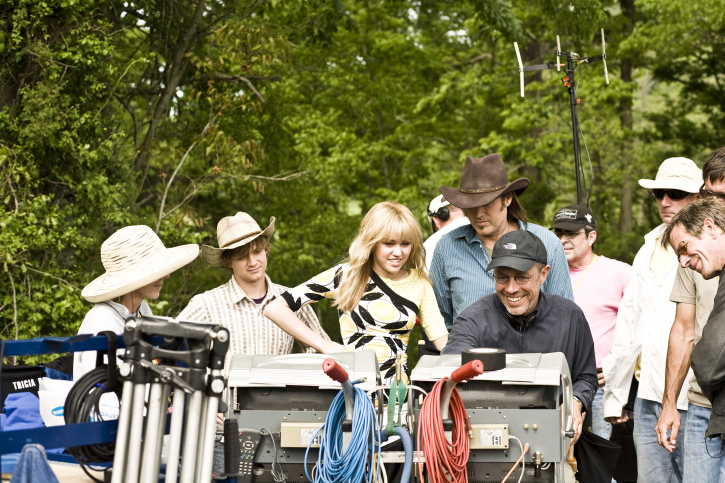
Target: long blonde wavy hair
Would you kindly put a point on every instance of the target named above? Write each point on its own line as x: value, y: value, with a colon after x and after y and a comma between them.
x: 385, y: 221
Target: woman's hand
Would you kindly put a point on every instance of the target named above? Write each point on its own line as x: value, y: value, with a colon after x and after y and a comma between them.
x: 333, y: 347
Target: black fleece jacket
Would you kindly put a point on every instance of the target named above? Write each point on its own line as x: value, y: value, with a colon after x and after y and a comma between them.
x: 557, y: 325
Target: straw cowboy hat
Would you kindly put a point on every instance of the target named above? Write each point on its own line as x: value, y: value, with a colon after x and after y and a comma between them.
x: 134, y: 257
x: 232, y: 232
x: 482, y: 181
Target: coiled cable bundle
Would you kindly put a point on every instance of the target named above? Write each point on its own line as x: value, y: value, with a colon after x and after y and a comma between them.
x: 83, y: 405
x: 442, y: 457
x: 358, y: 463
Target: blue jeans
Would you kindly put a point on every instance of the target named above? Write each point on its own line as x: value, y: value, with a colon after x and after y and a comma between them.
x: 218, y: 461
x: 600, y: 427
x: 699, y: 465
x: 654, y: 463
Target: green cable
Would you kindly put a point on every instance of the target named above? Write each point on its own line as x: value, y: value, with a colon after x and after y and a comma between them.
x: 396, y: 396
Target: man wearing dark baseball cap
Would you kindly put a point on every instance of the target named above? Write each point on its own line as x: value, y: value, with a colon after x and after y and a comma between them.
x: 599, y: 284
x: 520, y: 318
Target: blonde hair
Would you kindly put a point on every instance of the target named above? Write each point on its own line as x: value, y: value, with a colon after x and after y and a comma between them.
x: 385, y: 221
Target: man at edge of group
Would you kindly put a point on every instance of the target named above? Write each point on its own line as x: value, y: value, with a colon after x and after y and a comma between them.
x: 645, y: 317
x: 598, y: 283
x: 694, y: 297
x: 443, y: 217
x: 459, y: 269
x: 521, y: 318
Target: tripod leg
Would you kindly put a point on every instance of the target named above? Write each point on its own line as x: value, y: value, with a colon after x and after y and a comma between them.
x: 191, y: 437
x: 207, y: 441
x: 202, y: 432
x: 177, y: 420
x: 149, y: 474
x: 162, y: 426
x: 135, y: 436
x: 124, y: 423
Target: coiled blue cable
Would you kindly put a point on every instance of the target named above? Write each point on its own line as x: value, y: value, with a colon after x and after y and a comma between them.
x: 357, y: 463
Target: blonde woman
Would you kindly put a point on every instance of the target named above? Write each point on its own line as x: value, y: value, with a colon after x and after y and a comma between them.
x: 379, y: 292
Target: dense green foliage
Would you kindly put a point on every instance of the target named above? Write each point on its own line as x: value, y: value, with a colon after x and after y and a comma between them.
x: 175, y: 114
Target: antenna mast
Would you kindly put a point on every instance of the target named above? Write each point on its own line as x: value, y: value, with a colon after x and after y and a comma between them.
x: 573, y: 60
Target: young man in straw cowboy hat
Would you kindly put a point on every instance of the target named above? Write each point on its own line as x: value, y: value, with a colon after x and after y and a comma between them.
x: 459, y: 266
x: 644, y: 320
x: 239, y: 304
x: 136, y: 263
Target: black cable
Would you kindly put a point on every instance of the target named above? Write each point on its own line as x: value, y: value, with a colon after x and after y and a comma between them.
x: 83, y: 405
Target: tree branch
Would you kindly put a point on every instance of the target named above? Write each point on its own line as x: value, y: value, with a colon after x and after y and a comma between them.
x: 176, y: 71
x: 15, y: 305
x: 178, y: 167
x: 204, y: 78
x: 53, y: 276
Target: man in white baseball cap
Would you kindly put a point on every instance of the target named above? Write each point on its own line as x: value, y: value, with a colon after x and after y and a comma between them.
x: 443, y: 217
x: 644, y: 320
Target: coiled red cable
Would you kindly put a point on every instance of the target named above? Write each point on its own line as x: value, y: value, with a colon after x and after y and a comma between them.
x: 442, y: 457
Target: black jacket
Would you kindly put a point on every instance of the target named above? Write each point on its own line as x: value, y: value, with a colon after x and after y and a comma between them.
x: 708, y: 361
x: 559, y: 327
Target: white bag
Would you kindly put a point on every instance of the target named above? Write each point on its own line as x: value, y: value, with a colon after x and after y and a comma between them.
x: 52, y: 394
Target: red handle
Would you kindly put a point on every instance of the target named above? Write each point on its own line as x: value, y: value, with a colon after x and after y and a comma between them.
x: 336, y: 372
x: 469, y: 371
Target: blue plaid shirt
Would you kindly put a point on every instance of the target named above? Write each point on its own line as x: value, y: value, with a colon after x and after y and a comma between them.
x: 459, y: 275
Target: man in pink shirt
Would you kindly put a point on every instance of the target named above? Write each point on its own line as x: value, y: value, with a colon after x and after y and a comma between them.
x: 598, y: 283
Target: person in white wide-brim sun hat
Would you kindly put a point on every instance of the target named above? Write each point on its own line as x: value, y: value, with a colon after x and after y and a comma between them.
x: 136, y: 263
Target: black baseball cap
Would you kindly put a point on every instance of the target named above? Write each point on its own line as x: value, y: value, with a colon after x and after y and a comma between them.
x: 519, y: 250
x: 574, y: 218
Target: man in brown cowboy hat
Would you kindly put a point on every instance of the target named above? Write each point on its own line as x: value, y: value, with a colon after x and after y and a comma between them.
x: 490, y: 202
x: 239, y: 304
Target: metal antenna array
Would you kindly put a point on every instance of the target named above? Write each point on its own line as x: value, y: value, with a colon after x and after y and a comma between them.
x: 573, y: 60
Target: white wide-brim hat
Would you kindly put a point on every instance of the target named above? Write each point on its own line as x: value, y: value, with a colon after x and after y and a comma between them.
x: 134, y: 257
x: 676, y: 174
x: 232, y: 232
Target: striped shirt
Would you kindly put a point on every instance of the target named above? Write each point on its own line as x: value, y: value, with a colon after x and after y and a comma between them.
x: 251, y: 332
x: 459, y: 275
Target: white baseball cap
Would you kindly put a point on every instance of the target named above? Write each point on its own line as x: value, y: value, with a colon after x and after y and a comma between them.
x: 677, y: 174
x: 436, y: 204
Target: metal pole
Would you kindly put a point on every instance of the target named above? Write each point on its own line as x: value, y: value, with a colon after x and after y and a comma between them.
x: 124, y: 424
x: 165, y: 389
x: 135, y: 437
x: 571, y: 72
x: 177, y: 420
x: 191, y: 437
x: 208, y: 440
x: 148, y: 473
x: 202, y: 432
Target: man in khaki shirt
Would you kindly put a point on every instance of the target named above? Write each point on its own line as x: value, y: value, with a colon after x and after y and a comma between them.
x: 694, y: 297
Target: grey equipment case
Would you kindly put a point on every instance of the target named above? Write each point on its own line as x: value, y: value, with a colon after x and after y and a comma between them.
x: 530, y: 399
x: 290, y: 395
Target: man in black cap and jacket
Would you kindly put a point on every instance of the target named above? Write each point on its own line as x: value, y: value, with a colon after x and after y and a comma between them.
x: 520, y: 318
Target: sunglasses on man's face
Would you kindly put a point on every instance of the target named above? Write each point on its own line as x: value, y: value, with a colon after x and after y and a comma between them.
x: 706, y: 193
x: 674, y: 195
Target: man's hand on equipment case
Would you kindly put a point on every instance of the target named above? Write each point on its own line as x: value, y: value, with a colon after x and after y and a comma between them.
x: 619, y: 420
x: 669, y: 420
x: 578, y: 420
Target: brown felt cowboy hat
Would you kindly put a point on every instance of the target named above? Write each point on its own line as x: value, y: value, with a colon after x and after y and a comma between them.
x: 232, y: 232
x: 482, y: 181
